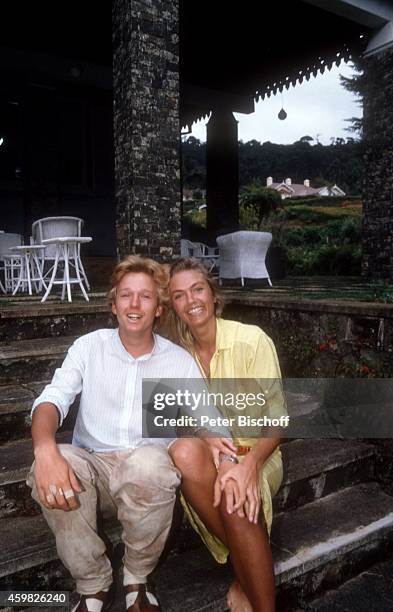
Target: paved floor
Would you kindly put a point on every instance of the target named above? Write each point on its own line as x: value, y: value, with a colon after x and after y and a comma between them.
x: 293, y: 288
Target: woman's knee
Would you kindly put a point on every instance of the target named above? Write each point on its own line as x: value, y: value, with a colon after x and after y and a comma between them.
x: 189, y: 455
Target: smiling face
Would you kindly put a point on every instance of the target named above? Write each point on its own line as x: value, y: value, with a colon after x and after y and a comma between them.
x: 136, y: 305
x: 192, y: 298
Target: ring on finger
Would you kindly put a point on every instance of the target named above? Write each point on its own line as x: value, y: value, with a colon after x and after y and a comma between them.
x: 50, y: 498
x: 52, y: 489
x: 69, y: 493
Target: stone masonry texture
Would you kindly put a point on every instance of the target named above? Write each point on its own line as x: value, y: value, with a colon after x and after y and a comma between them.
x: 147, y: 127
x: 378, y: 167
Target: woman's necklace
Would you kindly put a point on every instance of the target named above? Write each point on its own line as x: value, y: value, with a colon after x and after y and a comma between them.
x: 204, y: 360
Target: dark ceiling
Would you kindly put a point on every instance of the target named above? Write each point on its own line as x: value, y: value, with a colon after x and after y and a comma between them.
x: 74, y: 29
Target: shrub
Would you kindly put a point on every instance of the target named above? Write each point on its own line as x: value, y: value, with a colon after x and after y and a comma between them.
x: 249, y: 218
x: 262, y: 199
x: 298, y: 236
x: 351, y: 230
x: 325, y: 201
x: 343, y: 260
x: 195, y: 217
x: 338, y: 260
x: 321, y: 214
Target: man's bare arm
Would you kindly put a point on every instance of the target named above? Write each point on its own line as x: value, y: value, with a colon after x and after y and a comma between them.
x: 55, y: 480
x: 44, y: 425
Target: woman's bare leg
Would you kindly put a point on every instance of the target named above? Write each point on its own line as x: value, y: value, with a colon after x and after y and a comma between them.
x: 251, y: 557
x: 192, y: 457
x: 247, y: 543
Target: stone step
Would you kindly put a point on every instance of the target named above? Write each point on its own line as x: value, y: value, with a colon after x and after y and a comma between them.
x: 26, y: 318
x: 371, y: 591
x: 15, y: 407
x: 316, y: 468
x: 320, y: 545
x: 313, y: 469
x: 15, y: 461
x: 27, y: 361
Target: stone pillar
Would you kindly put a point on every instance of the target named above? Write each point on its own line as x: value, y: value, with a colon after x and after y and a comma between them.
x: 222, y: 174
x: 377, y: 240
x: 147, y: 127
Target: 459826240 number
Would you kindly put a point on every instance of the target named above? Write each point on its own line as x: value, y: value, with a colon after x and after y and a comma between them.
x: 34, y: 598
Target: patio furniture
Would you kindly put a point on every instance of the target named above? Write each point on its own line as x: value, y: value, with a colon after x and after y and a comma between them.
x: 199, y: 250
x: 9, y: 262
x: 67, y: 252
x: 188, y: 248
x: 243, y: 255
x: 63, y: 239
x: 30, y: 270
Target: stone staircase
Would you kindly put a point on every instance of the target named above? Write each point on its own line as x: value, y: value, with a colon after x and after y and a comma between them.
x: 333, y: 519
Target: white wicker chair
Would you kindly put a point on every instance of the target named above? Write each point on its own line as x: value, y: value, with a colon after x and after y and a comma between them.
x: 243, y: 255
x: 9, y: 263
x: 208, y: 255
x: 190, y: 249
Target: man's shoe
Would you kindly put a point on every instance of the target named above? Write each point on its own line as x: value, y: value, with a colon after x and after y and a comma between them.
x: 140, y: 598
x: 99, y: 602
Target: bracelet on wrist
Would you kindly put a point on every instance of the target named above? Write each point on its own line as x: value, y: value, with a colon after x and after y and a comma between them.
x: 230, y: 458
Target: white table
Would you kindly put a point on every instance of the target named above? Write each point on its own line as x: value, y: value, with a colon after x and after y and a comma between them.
x: 30, y: 267
x: 67, y: 251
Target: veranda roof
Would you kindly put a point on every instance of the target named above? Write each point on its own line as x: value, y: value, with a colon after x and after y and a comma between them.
x: 230, y: 55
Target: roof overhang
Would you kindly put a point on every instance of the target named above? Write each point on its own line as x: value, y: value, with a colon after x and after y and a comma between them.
x: 229, y: 55
x: 374, y: 14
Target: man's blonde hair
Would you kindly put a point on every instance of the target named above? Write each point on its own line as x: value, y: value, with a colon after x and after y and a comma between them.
x: 136, y: 263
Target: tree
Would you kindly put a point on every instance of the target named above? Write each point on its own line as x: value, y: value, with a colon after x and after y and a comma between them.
x: 339, y: 162
x: 355, y: 84
x: 262, y: 199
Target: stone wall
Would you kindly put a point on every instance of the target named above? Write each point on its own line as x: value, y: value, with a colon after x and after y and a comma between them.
x: 326, y: 340
x: 378, y: 167
x: 146, y: 127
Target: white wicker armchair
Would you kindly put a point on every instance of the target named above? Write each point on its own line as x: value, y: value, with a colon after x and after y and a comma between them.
x: 243, y: 255
x: 208, y: 255
x: 9, y: 261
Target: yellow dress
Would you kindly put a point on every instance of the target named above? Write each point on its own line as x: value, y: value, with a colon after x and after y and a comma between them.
x: 245, y: 351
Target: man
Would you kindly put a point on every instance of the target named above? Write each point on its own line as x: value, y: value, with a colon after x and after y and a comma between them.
x: 109, y: 467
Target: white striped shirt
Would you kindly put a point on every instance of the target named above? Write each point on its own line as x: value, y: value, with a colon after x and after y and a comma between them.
x: 110, y: 379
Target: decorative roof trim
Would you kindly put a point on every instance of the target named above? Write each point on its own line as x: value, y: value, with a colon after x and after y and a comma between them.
x: 294, y: 77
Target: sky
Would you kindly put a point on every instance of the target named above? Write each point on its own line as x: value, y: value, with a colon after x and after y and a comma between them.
x: 316, y: 108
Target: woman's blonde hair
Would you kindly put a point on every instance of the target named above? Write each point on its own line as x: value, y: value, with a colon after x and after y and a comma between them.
x: 136, y: 263
x: 174, y: 327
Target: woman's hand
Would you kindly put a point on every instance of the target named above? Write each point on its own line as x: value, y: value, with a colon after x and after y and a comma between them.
x: 246, y: 493
x: 220, y: 445
x: 230, y: 491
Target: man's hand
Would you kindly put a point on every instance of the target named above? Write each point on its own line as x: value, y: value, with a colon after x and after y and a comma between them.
x: 55, y: 480
x: 220, y: 445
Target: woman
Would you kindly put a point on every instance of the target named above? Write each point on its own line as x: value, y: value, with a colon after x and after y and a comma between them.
x: 223, y: 502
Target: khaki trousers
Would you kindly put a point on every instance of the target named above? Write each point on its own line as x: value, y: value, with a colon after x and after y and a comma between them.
x: 139, y: 487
